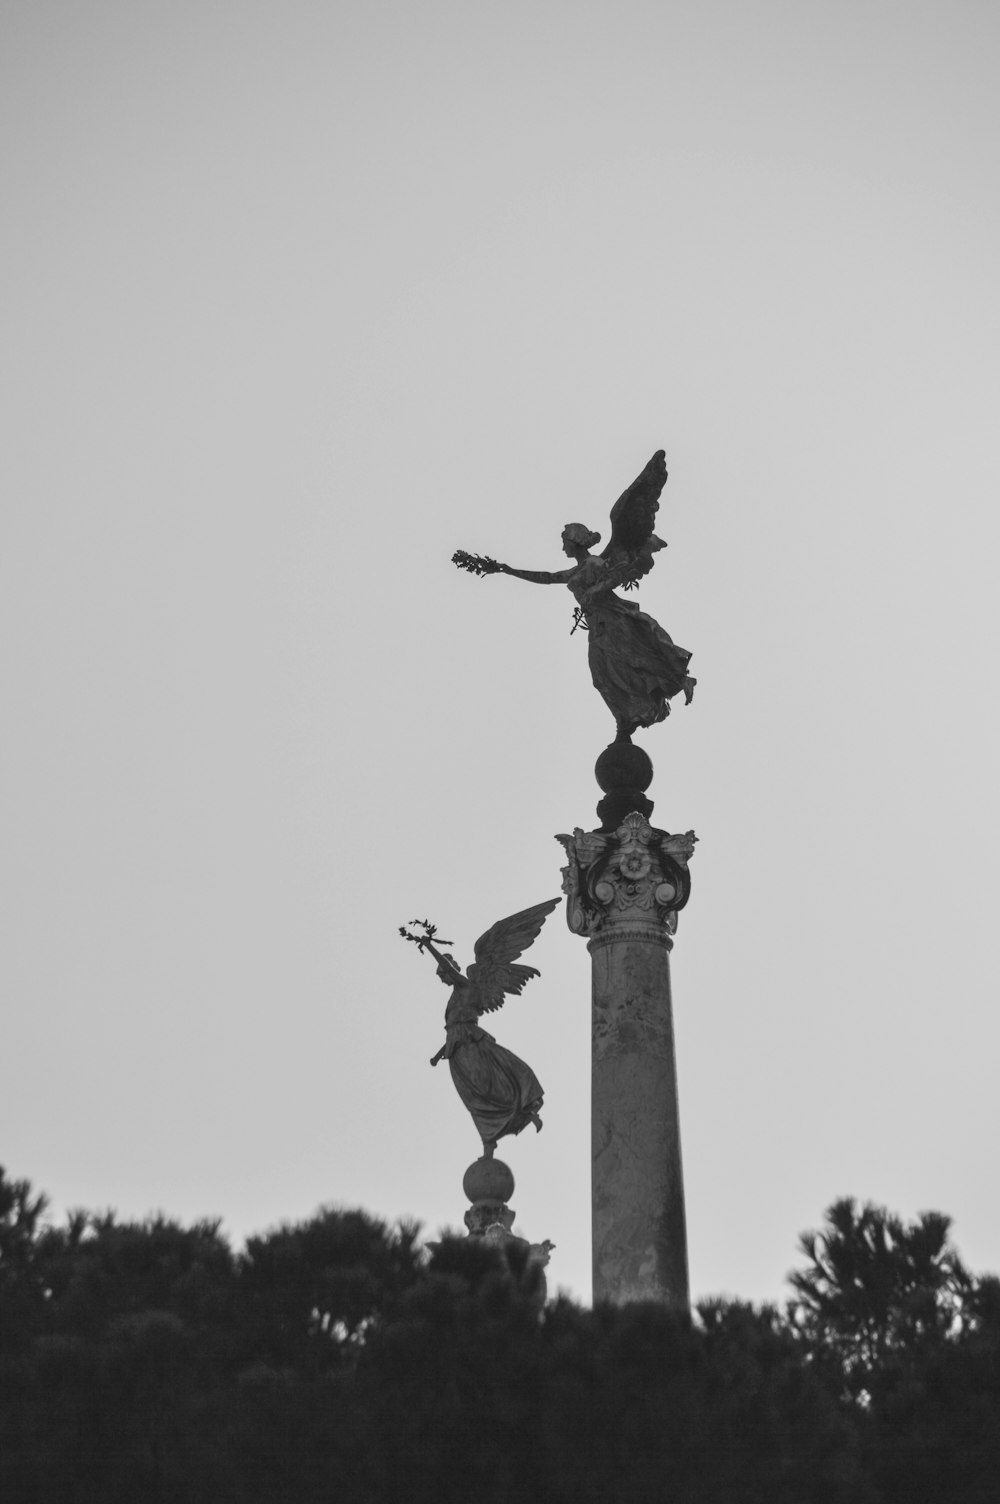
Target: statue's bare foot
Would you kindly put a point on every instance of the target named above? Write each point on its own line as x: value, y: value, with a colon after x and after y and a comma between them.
x: 689, y: 685
x: 489, y: 1150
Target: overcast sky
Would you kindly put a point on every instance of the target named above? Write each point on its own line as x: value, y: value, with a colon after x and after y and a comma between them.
x: 300, y: 298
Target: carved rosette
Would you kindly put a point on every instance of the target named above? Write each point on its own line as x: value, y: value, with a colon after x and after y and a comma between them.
x: 630, y: 883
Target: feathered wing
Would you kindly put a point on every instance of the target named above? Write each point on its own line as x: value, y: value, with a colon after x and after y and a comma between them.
x: 633, y: 518
x: 493, y: 973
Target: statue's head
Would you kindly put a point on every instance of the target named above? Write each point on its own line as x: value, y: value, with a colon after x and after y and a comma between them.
x: 577, y: 536
x: 449, y: 971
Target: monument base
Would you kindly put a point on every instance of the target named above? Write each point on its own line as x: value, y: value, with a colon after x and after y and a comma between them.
x: 489, y: 1184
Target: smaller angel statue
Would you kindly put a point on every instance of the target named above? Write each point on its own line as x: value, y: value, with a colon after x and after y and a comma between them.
x: 636, y: 666
x: 502, y: 1093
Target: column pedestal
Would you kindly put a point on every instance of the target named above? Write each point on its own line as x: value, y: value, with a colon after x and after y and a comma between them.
x: 489, y: 1185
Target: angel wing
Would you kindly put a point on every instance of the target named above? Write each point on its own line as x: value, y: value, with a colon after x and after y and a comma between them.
x: 633, y: 517
x: 492, y: 972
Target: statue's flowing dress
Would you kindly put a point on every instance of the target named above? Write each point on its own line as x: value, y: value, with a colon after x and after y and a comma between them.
x: 635, y: 665
x: 502, y: 1093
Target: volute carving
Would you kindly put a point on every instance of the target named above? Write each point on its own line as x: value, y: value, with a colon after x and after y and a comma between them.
x: 637, y: 876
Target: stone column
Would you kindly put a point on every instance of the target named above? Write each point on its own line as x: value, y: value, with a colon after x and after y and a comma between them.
x: 637, y: 1188
x: 624, y: 885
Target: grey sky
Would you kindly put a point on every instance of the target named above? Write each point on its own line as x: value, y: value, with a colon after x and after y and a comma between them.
x: 300, y: 298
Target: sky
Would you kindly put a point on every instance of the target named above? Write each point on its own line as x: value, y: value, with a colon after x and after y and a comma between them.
x: 300, y: 298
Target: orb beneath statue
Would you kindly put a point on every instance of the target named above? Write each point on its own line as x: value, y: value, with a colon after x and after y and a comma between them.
x: 624, y: 772
x: 623, y: 765
x: 488, y: 1180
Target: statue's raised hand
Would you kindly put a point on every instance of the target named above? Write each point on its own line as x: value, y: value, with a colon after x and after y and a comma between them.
x: 480, y: 564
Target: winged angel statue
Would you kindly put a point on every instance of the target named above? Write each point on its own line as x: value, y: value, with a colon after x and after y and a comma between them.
x: 634, y: 664
x: 501, y: 1092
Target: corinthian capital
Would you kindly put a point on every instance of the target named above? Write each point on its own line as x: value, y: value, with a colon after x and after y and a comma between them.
x: 635, y: 877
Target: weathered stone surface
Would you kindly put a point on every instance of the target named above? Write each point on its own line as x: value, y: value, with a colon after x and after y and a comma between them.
x: 639, y: 1233
x: 623, y: 891
x: 633, y: 875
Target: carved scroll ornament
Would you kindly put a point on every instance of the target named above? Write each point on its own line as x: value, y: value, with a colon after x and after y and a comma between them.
x: 637, y: 875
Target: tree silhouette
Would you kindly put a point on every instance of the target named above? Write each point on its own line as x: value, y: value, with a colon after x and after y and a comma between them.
x: 876, y: 1291
x: 22, y: 1292
x: 337, y: 1358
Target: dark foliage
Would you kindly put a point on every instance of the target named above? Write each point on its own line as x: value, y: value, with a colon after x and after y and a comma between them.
x: 336, y: 1360
x: 876, y: 1292
x: 894, y: 1323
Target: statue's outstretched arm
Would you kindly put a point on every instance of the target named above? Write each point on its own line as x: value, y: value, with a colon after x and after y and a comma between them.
x: 538, y: 576
x: 482, y: 564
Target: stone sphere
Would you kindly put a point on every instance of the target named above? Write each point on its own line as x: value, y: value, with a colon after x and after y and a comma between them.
x: 488, y: 1180
x: 623, y: 766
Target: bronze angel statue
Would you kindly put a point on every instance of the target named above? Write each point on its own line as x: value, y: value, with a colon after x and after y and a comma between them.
x: 501, y: 1092
x: 634, y: 664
